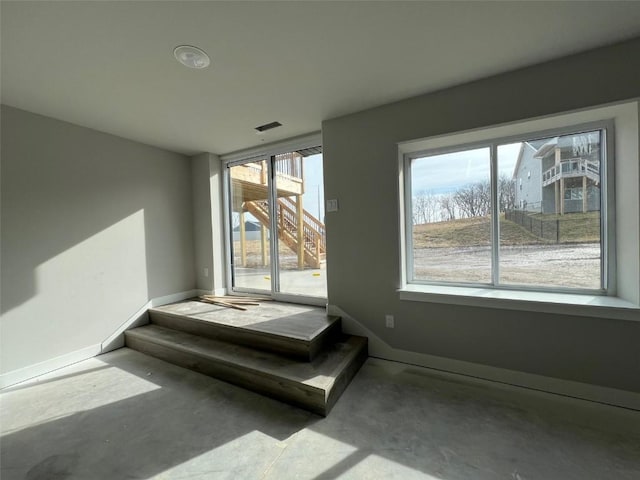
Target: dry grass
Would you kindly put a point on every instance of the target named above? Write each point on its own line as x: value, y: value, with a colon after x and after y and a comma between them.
x: 576, y: 227
x: 475, y: 232
x: 470, y: 232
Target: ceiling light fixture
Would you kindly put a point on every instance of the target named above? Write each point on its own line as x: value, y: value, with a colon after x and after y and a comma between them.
x: 191, y: 57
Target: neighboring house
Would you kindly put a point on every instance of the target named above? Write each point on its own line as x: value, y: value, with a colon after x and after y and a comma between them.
x: 527, y: 177
x: 559, y: 175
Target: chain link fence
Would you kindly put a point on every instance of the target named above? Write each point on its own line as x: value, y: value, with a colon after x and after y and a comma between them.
x: 569, y: 228
x: 549, y: 230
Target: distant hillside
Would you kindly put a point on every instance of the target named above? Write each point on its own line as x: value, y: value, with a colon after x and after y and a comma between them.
x: 472, y: 232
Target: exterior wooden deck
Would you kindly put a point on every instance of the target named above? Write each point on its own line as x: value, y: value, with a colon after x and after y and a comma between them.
x: 297, y: 228
x: 251, y: 180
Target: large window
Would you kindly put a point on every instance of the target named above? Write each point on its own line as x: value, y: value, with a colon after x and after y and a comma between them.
x: 531, y: 211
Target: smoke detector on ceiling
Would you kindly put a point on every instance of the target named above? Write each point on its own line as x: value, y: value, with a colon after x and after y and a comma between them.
x: 192, y: 57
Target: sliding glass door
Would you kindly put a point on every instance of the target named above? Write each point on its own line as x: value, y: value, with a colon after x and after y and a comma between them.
x: 283, y: 194
x: 249, y: 202
x: 300, y: 226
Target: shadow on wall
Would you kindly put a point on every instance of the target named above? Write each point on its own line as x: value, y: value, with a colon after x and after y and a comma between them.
x: 92, y: 227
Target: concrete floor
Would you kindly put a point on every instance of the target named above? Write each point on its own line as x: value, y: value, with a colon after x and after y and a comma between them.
x: 310, y: 282
x: 125, y: 415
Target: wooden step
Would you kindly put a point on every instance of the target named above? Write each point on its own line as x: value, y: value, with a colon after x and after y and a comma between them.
x: 295, y: 330
x: 315, y: 385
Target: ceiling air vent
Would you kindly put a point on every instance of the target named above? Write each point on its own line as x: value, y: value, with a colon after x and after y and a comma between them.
x: 305, y: 152
x: 268, y: 126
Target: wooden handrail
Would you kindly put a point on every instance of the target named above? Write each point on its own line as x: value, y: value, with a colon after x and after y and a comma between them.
x: 308, y: 227
x: 286, y: 168
x: 309, y: 219
x: 313, y: 238
x: 289, y: 164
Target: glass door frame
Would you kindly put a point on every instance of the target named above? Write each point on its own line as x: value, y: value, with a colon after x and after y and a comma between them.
x: 268, y: 152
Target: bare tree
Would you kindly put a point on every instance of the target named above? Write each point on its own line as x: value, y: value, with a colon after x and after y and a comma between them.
x: 417, y: 210
x: 447, y: 207
x: 506, y: 193
x: 425, y: 208
x: 483, y: 192
x: 432, y: 209
x: 473, y: 200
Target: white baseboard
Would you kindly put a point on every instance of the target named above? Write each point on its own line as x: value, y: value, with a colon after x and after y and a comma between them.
x: 113, y: 342
x: 218, y: 292
x: 22, y: 374
x: 380, y: 349
x: 116, y: 339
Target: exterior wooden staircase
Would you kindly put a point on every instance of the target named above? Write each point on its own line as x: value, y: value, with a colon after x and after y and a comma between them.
x: 293, y: 353
x: 313, y: 231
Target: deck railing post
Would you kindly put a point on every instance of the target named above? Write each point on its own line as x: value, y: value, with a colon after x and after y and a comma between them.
x: 317, y: 250
x: 243, y: 245
x: 300, y: 232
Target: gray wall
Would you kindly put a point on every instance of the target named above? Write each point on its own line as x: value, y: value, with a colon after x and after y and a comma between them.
x: 206, y: 180
x: 93, y: 226
x: 203, y: 233
x: 361, y: 170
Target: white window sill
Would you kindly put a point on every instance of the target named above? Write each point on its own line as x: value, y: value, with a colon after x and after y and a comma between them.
x: 561, y: 303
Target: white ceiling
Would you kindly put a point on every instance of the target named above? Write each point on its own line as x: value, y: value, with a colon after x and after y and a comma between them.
x: 109, y: 65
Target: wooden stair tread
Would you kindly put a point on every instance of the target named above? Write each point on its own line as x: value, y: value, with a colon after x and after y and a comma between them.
x: 320, y: 373
x: 315, y: 385
x: 301, y: 323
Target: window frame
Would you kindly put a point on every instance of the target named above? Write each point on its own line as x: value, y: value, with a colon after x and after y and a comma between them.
x: 448, y: 145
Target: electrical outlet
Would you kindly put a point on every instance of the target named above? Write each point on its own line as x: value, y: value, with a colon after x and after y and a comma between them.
x: 332, y: 205
x: 205, y: 270
x: 389, y: 321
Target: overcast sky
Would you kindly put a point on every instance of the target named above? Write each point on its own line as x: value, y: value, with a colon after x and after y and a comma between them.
x: 440, y: 174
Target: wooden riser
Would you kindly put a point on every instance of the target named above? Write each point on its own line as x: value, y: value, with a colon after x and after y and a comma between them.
x: 302, y: 335
x: 315, y: 385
